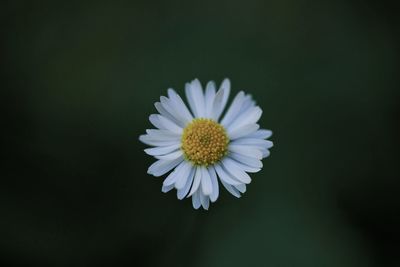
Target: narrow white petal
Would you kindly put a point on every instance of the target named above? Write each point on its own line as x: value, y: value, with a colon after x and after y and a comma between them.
x: 176, y: 106
x: 247, y: 103
x: 269, y: 144
x: 209, y: 98
x: 183, y: 175
x: 262, y: 145
x: 171, y: 107
x: 251, y: 116
x: 170, y: 125
x: 266, y: 153
x: 251, y: 162
x: 217, y: 104
x: 241, y: 188
x: 171, y: 156
x: 156, y: 122
x: 205, y: 200
x: 172, y: 177
x: 206, y: 185
x: 181, y: 193
x: 234, y: 109
x: 158, y: 151
x: 157, y: 139
x: 243, y: 131
x: 198, y: 98
x: 246, y: 151
x: 253, y: 142
x: 162, y: 135
x: 225, y: 176
x: 196, y: 182
x: 180, y: 106
x: 220, y: 99
x: 231, y: 189
x: 195, y: 97
x: 234, y: 169
x: 196, y: 200
x: 226, y: 87
x: 161, y: 167
x: 245, y: 167
x: 166, y: 189
x: 262, y: 134
x: 214, y: 181
x: 190, y: 99
x: 148, y: 140
x: 166, y: 114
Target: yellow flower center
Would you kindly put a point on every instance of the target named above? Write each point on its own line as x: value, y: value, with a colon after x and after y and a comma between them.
x: 204, y: 142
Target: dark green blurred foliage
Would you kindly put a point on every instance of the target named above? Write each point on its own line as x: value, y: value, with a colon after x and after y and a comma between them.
x: 79, y: 79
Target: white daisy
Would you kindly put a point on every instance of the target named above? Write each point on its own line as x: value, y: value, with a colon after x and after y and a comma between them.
x: 199, y: 148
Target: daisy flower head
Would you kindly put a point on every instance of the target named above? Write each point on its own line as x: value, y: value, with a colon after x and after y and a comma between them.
x: 200, y: 148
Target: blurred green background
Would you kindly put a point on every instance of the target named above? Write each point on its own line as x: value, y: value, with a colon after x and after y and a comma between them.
x: 79, y: 79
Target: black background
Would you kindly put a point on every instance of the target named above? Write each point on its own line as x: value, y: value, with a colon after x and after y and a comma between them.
x: 78, y: 82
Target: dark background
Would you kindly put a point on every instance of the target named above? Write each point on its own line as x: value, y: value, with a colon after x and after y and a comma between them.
x: 79, y: 79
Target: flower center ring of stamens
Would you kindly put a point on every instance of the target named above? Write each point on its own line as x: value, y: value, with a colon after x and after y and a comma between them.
x: 204, y: 142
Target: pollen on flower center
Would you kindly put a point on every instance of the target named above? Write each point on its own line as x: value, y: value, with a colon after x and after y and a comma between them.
x: 204, y: 142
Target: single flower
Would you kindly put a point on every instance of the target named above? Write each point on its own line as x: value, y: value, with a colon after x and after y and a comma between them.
x: 199, y: 149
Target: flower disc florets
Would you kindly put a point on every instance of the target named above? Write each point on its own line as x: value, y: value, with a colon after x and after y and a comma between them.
x: 204, y: 142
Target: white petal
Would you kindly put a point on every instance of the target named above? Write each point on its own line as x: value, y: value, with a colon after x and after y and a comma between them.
x: 245, y: 167
x: 260, y: 144
x: 171, y: 107
x: 167, y: 115
x: 234, y: 169
x: 251, y: 116
x: 196, y: 182
x: 206, y: 185
x: 196, y: 200
x: 180, y: 106
x: 224, y: 175
x: 266, y: 153
x: 183, y: 175
x: 181, y: 193
x: 234, y: 109
x: 209, y: 98
x: 241, y: 188
x: 154, y: 142
x: 171, y: 156
x: 243, y: 131
x: 262, y: 134
x: 158, y: 151
x: 170, y: 180
x: 205, y: 200
x: 168, y: 124
x: 172, y: 177
x: 269, y: 144
x: 195, y: 97
x: 161, y: 167
x: 199, y: 98
x: 214, y: 181
x: 190, y: 99
x: 156, y: 122
x: 231, y: 189
x: 251, y: 162
x: 166, y: 189
x: 253, y: 142
x: 247, y: 103
x: 162, y: 135
x: 246, y: 151
x: 220, y: 99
